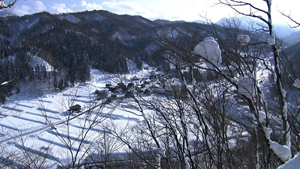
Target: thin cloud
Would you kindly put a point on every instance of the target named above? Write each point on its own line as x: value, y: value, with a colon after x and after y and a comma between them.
x: 188, y: 10
x: 128, y: 7
x: 22, y: 10
x: 91, y: 6
x: 37, y: 6
x: 61, y: 8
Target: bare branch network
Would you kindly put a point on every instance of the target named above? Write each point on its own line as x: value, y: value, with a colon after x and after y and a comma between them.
x: 7, y: 4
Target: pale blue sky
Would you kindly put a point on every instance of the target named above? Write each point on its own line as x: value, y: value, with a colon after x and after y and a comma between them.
x: 189, y: 10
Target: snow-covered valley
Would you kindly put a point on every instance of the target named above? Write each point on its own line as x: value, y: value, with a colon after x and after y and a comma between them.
x: 43, y: 125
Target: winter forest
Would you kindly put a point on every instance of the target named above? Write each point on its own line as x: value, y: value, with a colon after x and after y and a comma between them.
x: 95, y: 89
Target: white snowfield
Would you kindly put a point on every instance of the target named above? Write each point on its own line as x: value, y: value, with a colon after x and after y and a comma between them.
x: 294, y: 163
x: 42, y: 125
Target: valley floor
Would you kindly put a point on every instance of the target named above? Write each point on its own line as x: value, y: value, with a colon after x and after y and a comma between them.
x: 43, y: 125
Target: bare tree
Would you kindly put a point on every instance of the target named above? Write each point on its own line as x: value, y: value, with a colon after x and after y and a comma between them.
x: 263, y: 13
x: 78, y: 139
x: 33, y: 156
x: 7, y: 3
x: 194, y: 123
x: 295, y: 22
x: 21, y: 153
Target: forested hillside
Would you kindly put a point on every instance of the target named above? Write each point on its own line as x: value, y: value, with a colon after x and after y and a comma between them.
x: 70, y: 43
x: 73, y: 43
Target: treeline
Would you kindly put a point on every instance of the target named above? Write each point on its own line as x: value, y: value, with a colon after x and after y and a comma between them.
x: 18, y: 70
x: 68, y: 48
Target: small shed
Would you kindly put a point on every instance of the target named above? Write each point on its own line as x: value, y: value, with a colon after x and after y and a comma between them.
x: 108, y: 85
x: 136, y: 78
x: 75, y: 108
x: 103, y: 94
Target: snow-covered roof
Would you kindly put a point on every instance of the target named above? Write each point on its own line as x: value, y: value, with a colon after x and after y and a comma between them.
x: 135, y: 77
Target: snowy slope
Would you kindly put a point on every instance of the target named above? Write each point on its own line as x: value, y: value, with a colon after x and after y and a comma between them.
x: 292, y: 164
x: 25, y: 124
x: 39, y: 61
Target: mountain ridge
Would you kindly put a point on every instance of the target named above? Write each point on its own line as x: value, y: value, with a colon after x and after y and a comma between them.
x: 281, y: 30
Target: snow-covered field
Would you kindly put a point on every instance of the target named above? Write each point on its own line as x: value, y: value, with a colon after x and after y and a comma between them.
x: 42, y: 124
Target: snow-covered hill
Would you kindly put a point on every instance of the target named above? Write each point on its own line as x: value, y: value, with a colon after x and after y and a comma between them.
x: 293, y: 38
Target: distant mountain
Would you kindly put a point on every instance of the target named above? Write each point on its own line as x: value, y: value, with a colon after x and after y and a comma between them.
x: 162, y: 21
x: 4, y: 13
x: 283, y: 31
x: 244, y: 22
x: 236, y: 22
x: 200, y: 21
x: 293, y: 38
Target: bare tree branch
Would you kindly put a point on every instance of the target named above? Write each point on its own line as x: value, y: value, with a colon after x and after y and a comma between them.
x: 7, y: 3
x: 297, y: 24
x: 234, y: 4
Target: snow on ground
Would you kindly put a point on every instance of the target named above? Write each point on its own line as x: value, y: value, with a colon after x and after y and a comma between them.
x: 25, y: 124
x: 38, y: 61
x: 292, y: 164
x: 131, y: 66
x: 70, y: 18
